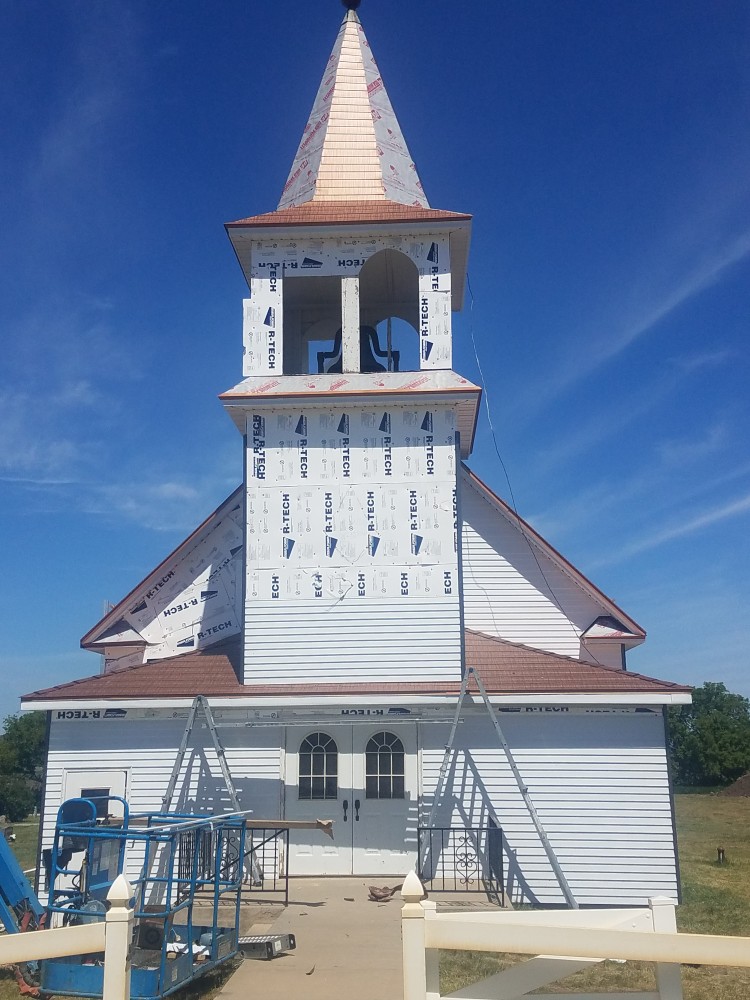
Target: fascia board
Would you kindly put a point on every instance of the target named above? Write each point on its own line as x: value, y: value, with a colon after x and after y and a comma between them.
x: 266, y: 701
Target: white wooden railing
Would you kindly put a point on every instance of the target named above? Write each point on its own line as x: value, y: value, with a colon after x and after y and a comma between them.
x: 570, y: 940
x: 111, y: 936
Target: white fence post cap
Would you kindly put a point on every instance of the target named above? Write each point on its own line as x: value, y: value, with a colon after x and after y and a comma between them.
x: 412, y: 890
x: 121, y: 892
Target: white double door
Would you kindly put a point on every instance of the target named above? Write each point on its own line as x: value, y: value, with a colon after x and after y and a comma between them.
x: 364, y: 778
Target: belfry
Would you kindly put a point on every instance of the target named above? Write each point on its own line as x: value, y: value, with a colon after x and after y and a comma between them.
x: 381, y: 639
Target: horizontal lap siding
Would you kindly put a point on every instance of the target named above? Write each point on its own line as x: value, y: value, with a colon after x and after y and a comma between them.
x: 147, y: 750
x: 352, y: 643
x: 504, y: 592
x: 600, y: 788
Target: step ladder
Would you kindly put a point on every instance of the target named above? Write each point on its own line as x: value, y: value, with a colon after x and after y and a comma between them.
x: 201, y: 705
x: 471, y: 672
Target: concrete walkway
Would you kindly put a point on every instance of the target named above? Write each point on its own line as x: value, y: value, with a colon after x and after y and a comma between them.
x: 347, y: 946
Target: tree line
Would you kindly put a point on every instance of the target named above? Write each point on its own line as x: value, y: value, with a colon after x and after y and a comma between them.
x: 21, y: 762
x: 709, y: 741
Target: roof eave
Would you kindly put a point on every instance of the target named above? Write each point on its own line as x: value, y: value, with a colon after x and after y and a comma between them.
x: 679, y: 696
x: 269, y: 223
x: 245, y: 232
x: 239, y: 404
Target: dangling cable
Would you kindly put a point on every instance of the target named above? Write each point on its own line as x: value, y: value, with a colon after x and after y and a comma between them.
x: 514, y: 508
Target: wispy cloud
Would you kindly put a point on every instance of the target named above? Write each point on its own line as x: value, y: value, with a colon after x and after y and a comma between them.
x: 689, y: 526
x: 656, y: 482
x: 674, y: 275
x: 28, y: 442
x: 83, y: 109
x: 596, y: 426
x: 704, y: 273
x: 708, y: 359
x: 170, y: 505
x: 145, y: 501
x: 686, y: 450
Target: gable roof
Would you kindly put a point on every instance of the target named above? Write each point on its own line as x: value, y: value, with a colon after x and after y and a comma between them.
x: 114, y: 627
x: 534, y: 539
x: 506, y: 668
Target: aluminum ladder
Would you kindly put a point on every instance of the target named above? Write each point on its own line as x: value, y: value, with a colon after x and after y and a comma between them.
x: 525, y: 794
x: 200, y: 704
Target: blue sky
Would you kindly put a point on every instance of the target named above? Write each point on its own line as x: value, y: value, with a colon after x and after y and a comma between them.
x: 604, y: 151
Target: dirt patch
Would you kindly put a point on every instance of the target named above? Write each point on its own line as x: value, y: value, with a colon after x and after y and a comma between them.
x: 741, y: 787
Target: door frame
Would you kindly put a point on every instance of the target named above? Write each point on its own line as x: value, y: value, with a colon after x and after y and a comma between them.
x: 351, y: 772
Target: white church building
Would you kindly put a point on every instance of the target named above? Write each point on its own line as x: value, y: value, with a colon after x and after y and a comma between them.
x: 330, y: 607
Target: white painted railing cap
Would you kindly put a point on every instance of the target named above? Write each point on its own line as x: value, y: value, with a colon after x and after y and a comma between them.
x: 412, y: 890
x: 121, y: 893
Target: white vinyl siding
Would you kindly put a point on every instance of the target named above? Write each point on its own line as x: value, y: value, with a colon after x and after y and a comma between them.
x: 147, y: 751
x: 504, y: 591
x: 599, y: 784
x: 349, y: 642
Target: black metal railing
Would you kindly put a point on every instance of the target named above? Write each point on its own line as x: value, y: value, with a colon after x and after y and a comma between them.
x: 267, y: 862
x: 462, y: 859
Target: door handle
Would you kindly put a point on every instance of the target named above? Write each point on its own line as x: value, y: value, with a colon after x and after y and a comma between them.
x: 356, y: 810
x: 345, y: 804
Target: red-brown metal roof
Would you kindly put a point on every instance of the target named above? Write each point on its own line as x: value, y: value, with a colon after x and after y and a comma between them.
x: 506, y: 668
x: 323, y: 213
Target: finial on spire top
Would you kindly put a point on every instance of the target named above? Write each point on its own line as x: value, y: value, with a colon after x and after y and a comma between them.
x: 351, y: 4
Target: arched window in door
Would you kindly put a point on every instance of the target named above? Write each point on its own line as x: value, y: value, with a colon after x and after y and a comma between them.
x: 318, y: 767
x: 384, y: 767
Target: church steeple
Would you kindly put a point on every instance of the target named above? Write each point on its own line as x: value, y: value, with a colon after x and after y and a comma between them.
x: 352, y: 148
x: 352, y: 416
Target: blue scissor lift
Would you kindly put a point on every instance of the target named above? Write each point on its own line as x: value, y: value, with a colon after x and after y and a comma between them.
x: 187, y: 892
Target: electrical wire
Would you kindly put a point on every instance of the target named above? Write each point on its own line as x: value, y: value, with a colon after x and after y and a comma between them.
x: 514, y: 508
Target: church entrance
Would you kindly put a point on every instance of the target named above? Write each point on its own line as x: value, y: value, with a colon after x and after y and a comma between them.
x: 364, y: 777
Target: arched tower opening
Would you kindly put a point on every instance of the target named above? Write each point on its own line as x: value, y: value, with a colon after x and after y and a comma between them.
x: 389, y: 305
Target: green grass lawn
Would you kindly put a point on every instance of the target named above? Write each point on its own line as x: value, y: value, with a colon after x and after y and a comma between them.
x: 716, y: 900
x: 25, y: 844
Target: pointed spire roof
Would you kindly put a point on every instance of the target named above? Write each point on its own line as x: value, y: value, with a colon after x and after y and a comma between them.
x: 352, y: 148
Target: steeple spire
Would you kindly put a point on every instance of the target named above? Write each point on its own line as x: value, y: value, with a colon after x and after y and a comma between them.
x: 352, y: 148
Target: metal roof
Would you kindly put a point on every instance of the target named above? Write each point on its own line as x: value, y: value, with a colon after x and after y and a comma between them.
x: 506, y: 668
